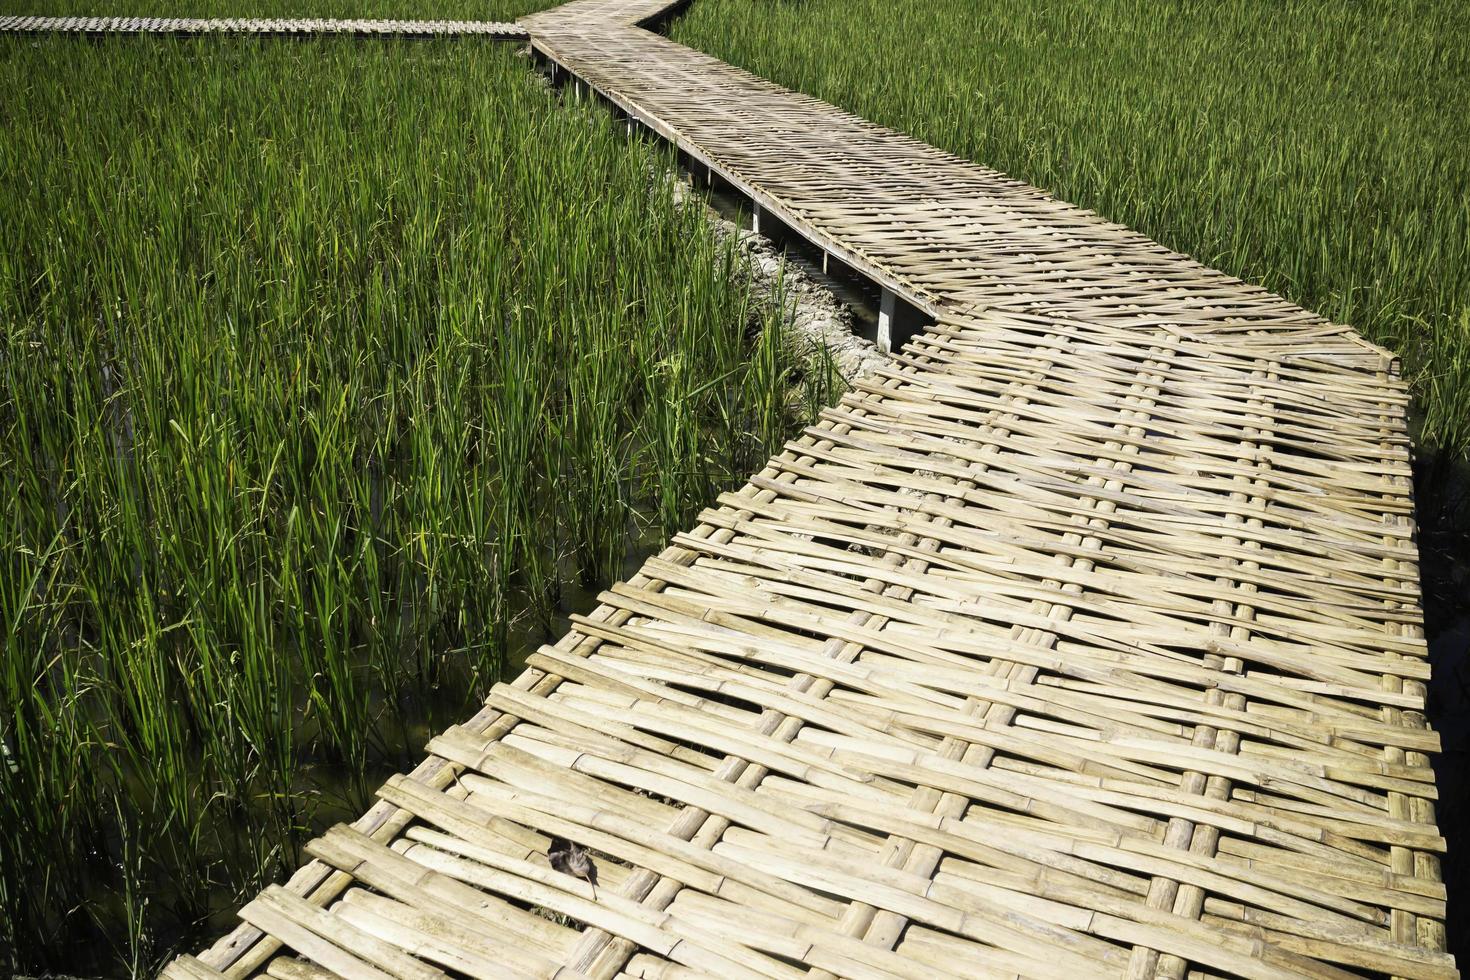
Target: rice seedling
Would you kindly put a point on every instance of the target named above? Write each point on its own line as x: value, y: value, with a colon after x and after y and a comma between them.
x: 325, y: 367
x: 822, y: 383
x: 1310, y: 146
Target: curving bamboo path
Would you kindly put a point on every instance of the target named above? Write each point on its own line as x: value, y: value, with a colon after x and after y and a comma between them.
x: 1085, y: 640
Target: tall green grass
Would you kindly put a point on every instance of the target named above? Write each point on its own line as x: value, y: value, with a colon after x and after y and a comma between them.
x: 328, y: 371
x: 1315, y: 147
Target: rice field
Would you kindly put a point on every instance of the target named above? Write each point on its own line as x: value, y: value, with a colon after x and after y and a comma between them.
x: 332, y: 375
x: 1311, y: 146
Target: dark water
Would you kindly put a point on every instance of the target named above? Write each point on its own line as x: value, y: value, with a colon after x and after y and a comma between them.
x: 1442, y: 494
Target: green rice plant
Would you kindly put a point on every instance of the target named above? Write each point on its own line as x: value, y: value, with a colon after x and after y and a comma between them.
x: 676, y: 469
x: 323, y: 368
x: 48, y: 787
x: 1310, y: 146
x: 134, y: 947
x: 1445, y: 384
x: 597, y: 468
x: 515, y: 422
x: 822, y: 381
x: 769, y: 378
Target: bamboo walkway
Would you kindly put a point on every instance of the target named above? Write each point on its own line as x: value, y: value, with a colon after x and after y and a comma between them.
x: 1084, y: 640
x: 275, y: 27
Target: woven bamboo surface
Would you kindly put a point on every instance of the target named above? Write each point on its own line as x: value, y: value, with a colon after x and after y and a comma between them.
x: 1083, y: 640
x: 311, y: 25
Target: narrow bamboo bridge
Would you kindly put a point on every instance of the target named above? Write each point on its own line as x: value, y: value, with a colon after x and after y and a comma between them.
x: 1085, y: 640
x: 274, y: 27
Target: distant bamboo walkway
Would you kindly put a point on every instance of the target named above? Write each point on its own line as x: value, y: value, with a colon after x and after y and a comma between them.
x: 277, y: 26
x: 1084, y: 640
